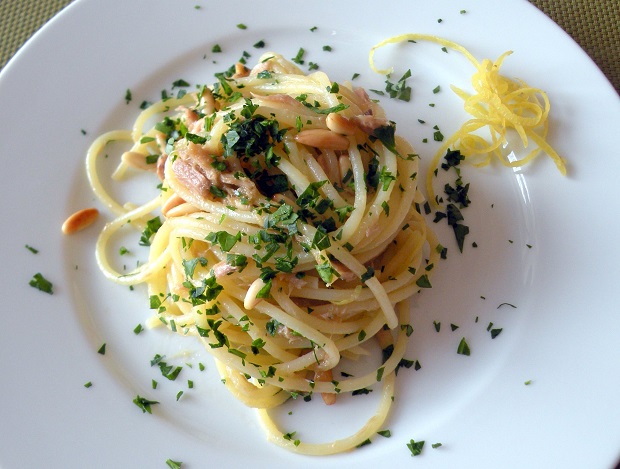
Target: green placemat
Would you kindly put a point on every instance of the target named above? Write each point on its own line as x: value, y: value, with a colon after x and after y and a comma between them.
x: 594, y: 24
x: 20, y: 19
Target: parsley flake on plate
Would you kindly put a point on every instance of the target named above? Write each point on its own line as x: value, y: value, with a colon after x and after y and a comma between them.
x: 41, y: 283
x: 144, y: 403
x: 415, y: 447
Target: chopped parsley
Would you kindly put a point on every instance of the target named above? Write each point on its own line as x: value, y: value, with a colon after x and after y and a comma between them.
x: 41, y: 283
x: 457, y: 196
x: 31, y: 249
x: 386, y: 135
x: 152, y: 226
x: 415, y: 447
x: 290, y: 437
x: 144, y: 403
x: 399, y: 90
x: 364, y: 443
x: 423, y: 282
x: 370, y: 272
x: 463, y: 348
x: 298, y: 59
x: 168, y: 371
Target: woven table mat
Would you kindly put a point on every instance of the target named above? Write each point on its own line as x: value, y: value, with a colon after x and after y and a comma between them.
x: 593, y: 24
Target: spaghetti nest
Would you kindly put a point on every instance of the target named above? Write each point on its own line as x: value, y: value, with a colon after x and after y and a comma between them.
x: 287, y: 235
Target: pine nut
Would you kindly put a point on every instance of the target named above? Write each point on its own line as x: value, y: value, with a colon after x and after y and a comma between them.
x: 173, y: 201
x: 80, y: 220
x: 241, y: 70
x: 339, y: 124
x: 322, y: 138
x: 326, y: 377
x: 250, y: 300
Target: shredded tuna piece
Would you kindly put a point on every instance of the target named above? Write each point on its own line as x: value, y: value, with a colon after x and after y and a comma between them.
x: 369, y: 124
x: 344, y: 272
x: 194, y: 169
x: 222, y: 269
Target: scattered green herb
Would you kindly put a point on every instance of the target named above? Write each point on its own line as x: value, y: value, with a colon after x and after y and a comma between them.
x: 152, y: 226
x: 298, y: 59
x: 463, y: 348
x: 399, y: 90
x: 423, y: 282
x: 415, y: 447
x: 41, y: 283
x: 174, y: 464
x: 364, y: 443
x: 144, y: 403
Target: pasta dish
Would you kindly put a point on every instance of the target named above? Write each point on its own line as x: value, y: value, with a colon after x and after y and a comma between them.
x: 285, y: 234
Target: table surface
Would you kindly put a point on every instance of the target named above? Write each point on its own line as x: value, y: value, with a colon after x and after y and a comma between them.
x: 593, y: 24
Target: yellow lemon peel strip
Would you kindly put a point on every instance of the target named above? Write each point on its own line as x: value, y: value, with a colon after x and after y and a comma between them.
x: 497, y: 105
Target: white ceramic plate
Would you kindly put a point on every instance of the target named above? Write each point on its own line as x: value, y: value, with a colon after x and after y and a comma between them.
x: 562, y: 336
